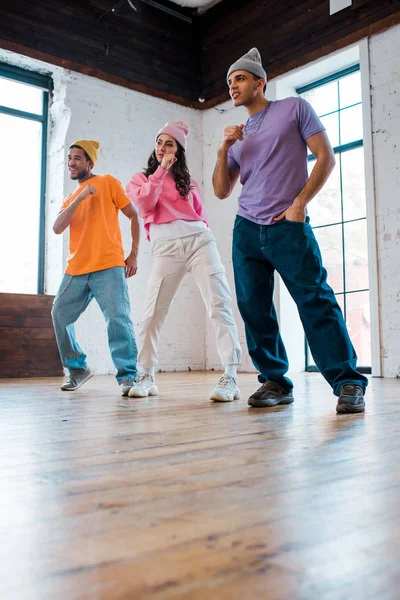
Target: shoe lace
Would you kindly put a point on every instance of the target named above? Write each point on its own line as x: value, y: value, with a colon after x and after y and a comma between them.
x: 350, y: 390
x: 144, y: 377
x: 225, y: 380
x: 127, y: 382
x: 270, y: 386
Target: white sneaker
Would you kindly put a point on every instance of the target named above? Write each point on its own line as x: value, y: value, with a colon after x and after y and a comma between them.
x: 144, y: 386
x: 226, y: 390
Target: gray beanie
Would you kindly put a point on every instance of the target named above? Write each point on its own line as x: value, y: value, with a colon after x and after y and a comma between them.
x: 250, y: 62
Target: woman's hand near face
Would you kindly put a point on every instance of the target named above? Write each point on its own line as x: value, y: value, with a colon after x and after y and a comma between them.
x: 167, y: 161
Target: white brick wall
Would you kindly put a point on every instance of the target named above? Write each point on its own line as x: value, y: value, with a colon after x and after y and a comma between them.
x: 385, y: 98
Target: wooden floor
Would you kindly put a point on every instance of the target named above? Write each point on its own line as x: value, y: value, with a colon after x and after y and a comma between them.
x: 109, y: 498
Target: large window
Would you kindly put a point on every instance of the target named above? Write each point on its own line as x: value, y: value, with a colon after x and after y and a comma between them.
x: 338, y: 213
x: 23, y: 127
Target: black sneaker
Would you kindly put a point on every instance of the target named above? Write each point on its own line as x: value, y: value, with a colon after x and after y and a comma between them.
x: 351, y: 399
x: 270, y: 394
x: 76, y: 379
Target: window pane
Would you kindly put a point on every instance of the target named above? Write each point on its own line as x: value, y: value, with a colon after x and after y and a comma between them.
x: 351, y: 127
x: 330, y: 243
x: 340, y: 301
x: 19, y: 224
x: 350, y: 89
x: 21, y: 96
x: 331, y: 124
x: 356, y: 253
x: 325, y: 208
x: 310, y: 360
x: 359, y: 325
x: 353, y: 184
x: 324, y: 99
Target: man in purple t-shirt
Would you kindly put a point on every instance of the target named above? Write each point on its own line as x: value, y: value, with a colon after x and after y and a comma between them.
x: 272, y: 231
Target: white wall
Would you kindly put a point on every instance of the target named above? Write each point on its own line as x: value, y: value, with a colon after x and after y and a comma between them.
x: 385, y: 98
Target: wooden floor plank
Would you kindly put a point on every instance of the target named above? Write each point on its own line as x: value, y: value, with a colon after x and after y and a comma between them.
x: 174, y: 497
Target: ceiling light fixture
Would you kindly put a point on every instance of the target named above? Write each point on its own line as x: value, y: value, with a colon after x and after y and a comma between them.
x: 115, y: 7
x: 166, y: 9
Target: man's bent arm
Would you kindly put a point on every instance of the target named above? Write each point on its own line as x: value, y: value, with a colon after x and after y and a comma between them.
x: 320, y: 147
x: 131, y: 213
x: 65, y: 217
x: 224, y: 179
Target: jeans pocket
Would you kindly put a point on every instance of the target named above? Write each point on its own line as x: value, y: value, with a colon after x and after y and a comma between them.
x: 63, y: 287
x: 238, y: 221
x: 293, y: 222
x: 306, y: 222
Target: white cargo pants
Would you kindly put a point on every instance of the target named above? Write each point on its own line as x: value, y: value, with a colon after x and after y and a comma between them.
x: 172, y: 259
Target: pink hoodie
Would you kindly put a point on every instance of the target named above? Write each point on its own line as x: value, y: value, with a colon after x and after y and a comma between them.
x: 158, y: 201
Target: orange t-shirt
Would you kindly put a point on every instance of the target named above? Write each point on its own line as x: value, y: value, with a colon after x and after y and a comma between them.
x: 95, y: 240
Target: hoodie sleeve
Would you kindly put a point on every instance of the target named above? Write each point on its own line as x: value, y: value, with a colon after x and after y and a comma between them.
x: 145, y: 192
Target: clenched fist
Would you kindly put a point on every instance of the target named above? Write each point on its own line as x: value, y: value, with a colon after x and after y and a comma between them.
x: 130, y: 265
x: 167, y: 161
x: 88, y: 190
x: 232, y: 134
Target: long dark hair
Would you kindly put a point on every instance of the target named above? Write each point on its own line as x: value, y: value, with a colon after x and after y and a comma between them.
x: 179, y: 170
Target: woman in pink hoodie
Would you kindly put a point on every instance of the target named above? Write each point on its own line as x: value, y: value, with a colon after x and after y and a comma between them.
x: 170, y: 203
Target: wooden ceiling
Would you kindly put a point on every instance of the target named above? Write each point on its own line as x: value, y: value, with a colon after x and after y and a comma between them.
x: 178, y: 54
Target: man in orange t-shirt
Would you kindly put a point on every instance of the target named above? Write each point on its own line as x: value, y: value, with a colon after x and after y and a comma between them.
x: 96, y: 267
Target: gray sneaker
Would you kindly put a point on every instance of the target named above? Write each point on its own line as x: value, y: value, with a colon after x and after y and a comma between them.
x: 351, y: 399
x: 76, y: 379
x: 126, y: 385
x: 270, y: 394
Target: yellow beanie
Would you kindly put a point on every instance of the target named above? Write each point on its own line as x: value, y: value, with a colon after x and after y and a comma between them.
x: 90, y: 147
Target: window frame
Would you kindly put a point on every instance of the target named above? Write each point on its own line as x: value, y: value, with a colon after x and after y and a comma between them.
x: 340, y: 149
x: 45, y: 83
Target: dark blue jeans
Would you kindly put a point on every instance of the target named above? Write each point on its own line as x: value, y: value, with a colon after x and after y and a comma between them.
x: 291, y: 249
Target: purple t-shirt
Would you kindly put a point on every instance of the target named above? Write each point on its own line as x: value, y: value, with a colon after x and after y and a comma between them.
x: 273, y: 161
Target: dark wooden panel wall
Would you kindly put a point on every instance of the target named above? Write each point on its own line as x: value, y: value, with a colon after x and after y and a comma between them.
x: 288, y: 33
x: 158, y: 54
x: 147, y: 50
x: 27, y: 343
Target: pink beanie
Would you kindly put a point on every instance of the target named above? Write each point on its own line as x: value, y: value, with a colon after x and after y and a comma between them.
x: 176, y: 129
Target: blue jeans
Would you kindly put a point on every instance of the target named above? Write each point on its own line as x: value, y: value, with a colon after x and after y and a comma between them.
x: 110, y: 289
x: 292, y: 249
